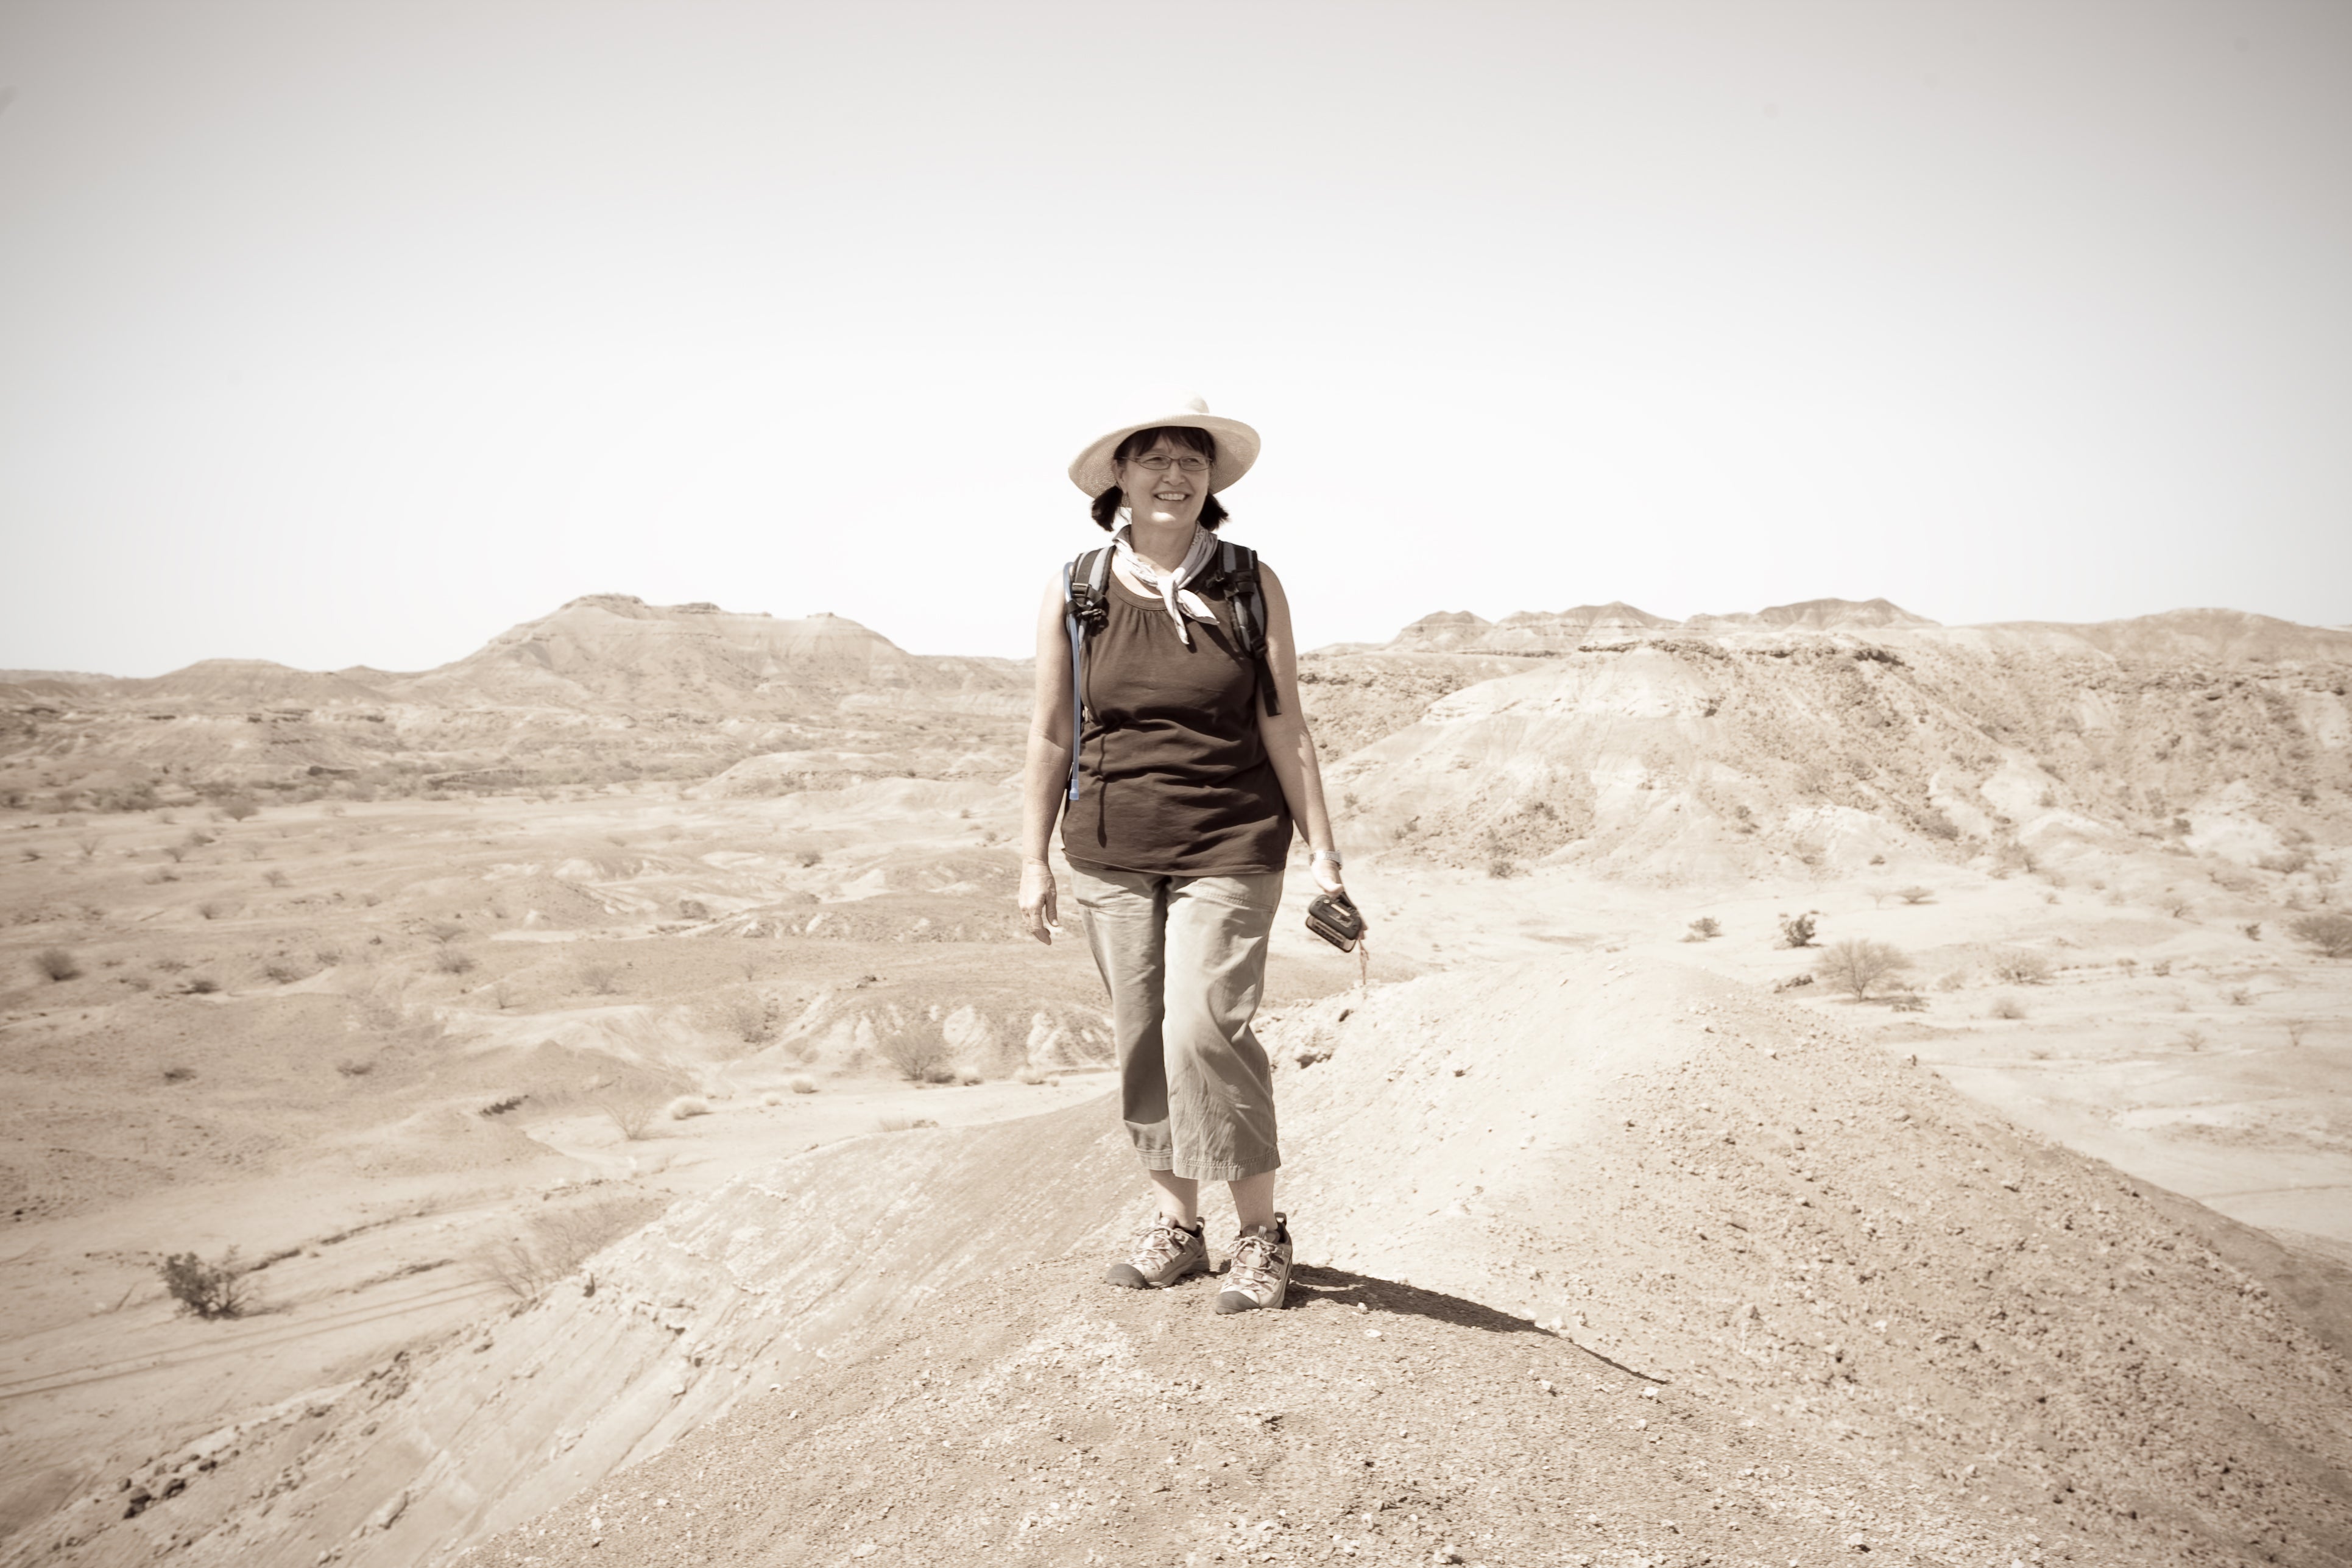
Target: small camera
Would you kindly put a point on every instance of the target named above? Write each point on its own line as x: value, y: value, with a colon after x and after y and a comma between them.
x: 1335, y: 918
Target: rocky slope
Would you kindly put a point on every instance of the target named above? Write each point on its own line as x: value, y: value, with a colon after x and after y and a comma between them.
x: 1703, y: 758
x: 1790, y: 1296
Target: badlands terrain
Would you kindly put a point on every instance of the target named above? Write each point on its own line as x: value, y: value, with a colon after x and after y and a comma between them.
x: 642, y: 1140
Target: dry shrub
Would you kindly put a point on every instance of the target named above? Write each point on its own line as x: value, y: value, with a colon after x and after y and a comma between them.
x: 455, y: 961
x: 553, y: 1245
x: 274, y: 876
x: 630, y: 1114
x: 210, y: 1290
x: 896, y: 1123
x: 1857, y: 966
x: 2008, y: 1007
x: 284, y: 971
x: 1702, y: 929
x: 743, y: 1012
x: 57, y: 964
x: 178, y: 1075
x: 919, y: 1053
x: 1797, y: 930
x: 2020, y: 967
x: 598, y: 976
x: 1916, y: 895
x: 212, y: 909
x: 2330, y: 931
x: 686, y: 1107
x: 2239, y: 996
x: 802, y: 1084
x: 355, y: 1067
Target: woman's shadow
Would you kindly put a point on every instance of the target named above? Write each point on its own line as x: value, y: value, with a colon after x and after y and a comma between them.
x: 1310, y: 1285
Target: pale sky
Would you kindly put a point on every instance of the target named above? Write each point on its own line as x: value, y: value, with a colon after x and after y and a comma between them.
x: 358, y: 332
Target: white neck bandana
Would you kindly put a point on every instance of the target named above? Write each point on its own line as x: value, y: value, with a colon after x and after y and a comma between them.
x: 1171, y: 585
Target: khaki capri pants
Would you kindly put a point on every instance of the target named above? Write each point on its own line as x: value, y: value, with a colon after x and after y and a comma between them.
x: 1184, y: 958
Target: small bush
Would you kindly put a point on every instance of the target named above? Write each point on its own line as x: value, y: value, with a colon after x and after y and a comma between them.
x: 328, y: 957
x: 629, y: 1114
x: 920, y: 1054
x: 969, y: 1080
x: 2330, y: 931
x: 210, y: 1290
x: 501, y: 1106
x: 1030, y: 1076
x: 284, y: 971
x: 2020, y: 967
x: 598, y: 976
x: 1703, y: 928
x: 2008, y: 1007
x: 455, y: 961
x: 1907, y: 1002
x: 803, y: 1084
x: 1916, y: 895
x: 201, y: 985
x: 212, y: 909
x: 57, y: 964
x: 2161, y: 968
x: 1797, y: 930
x: 238, y: 807
x: 686, y: 1107
x: 2253, y: 930
x: 2192, y: 1039
x: 1857, y: 966
x: 178, y: 1075
x: 274, y: 876
x: 2239, y: 996
x: 1935, y: 825
x: 352, y: 1067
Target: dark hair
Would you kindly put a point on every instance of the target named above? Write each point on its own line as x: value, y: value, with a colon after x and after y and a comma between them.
x: 1107, y: 505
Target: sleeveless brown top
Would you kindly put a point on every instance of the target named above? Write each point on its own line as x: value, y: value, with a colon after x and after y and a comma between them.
x: 1176, y: 779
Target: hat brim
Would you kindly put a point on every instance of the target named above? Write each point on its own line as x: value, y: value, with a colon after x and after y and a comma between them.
x: 1091, y: 470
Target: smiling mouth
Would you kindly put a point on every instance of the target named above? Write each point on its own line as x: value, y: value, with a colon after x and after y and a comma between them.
x: 1170, y: 495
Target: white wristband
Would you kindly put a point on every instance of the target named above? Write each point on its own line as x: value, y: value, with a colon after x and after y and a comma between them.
x: 1330, y: 855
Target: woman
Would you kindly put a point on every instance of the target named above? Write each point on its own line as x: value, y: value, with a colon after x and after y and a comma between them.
x: 1177, y: 826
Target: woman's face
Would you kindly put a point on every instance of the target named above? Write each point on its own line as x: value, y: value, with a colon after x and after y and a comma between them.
x: 1169, y: 496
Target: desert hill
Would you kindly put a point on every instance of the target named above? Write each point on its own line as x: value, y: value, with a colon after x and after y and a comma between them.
x: 1602, y: 1255
x: 615, y: 650
x: 2219, y: 635
x: 248, y: 682
x: 607, y: 689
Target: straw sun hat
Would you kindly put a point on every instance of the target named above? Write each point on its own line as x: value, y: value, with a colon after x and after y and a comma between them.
x: 1091, y: 471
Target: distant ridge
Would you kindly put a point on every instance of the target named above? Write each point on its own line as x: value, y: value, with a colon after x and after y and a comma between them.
x: 616, y: 651
x: 2194, y: 635
x: 2237, y: 636
x: 249, y: 680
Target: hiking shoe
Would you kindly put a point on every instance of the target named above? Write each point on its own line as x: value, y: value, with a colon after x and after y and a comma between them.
x: 1259, y: 1275
x: 1163, y: 1254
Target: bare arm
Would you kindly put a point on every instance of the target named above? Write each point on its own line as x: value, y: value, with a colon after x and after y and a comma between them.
x: 1288, y: 742
x: 1045, y: 770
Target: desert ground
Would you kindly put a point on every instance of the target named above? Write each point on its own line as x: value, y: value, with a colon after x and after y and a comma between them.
x: 1825, y: 1083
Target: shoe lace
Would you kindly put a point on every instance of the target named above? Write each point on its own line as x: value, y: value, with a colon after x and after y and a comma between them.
x: 1161, y: 1241
x: 1252, y: 1265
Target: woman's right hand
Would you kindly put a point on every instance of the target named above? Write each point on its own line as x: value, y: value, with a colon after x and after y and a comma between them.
x: 1040, y: 915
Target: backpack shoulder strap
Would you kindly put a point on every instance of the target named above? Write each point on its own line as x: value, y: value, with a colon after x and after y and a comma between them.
x: 1084, y: 609
x: 1237, y: 564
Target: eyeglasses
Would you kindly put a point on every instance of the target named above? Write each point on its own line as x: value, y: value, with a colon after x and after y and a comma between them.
x: 1160, y: 462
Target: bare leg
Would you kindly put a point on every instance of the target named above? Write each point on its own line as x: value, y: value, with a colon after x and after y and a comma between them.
x: 1253, y: 1200
x: 1179, y: 1196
